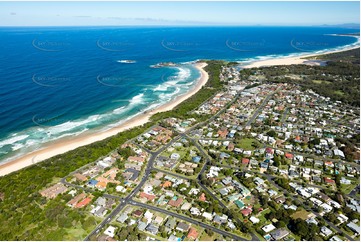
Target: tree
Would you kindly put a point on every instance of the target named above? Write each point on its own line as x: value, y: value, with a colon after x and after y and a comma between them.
x: 272, y: 133
x: 209, y: 232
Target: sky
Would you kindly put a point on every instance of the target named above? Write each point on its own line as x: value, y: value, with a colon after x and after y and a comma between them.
x: 177, y: 13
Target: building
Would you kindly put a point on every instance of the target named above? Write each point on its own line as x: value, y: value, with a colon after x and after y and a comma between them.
x: 152, y: 228
x: 83, y: 203
x: 254, y: 220
x: 182, y: 227
x: 192, y: 234
x: 354, y: 227
x: 75, y: 200
x: 54, y: 191
x: 326, y: 231
x: 268, y: 228
x: 170, y: 223
x: 110, y: 231
x: 122, y: 218
x: 279, y: 234
x: 175, y: 202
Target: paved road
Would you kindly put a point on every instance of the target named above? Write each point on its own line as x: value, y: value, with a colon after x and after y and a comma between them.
x: 260, y: 108
x: 284, y: 115
x: 185, y: 218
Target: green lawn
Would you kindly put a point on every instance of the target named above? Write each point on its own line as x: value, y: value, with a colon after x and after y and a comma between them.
x: 76, y: 233
x: 339, y: 92
x: 347, y: 188
x: 246, y: 143
x: 261, y: 216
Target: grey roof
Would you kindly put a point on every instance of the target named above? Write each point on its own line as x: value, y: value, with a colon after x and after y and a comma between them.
x: 223, y: 191
x: 135, y: 173
x: 218, y: 219
x: 152, y: 228
x: 279, y: 234
x: 141, y: 226
x: 182, y: 226
x: 170, y: 223
x: 101, y: 201
x: 122, y: 218
x: 354, y: 227
x: 100, y: 211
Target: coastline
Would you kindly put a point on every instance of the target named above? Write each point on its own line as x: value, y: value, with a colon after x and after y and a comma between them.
x: 295, y: 60
x: 62, y: 146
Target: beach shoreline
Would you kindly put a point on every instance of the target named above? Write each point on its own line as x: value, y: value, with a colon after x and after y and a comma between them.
x: 62, y: 146
x: 294, y: 60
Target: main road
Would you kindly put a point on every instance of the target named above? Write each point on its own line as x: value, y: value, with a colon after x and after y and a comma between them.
x: 185, y: 218
x: 149, y: 168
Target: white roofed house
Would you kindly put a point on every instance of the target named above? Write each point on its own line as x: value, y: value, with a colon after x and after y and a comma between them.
x: 342, y: 218
x: 110, y: 231
x: 339, y: 153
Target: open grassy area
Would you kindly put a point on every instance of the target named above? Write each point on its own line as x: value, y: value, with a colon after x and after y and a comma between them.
x: 261, y: 216
x: 339, y: 92
x: 206, y: 237
x: 76, y: 233
x: 320, y: 82
x: 348, y: 188
x: 302, y: 214
x: 246, y: 143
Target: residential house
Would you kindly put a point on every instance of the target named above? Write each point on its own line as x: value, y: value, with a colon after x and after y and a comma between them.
x: 182, y: 227
x: 110, y: 231
x: 192, y: 234
x: 279, y: 234
x: 54, y: 191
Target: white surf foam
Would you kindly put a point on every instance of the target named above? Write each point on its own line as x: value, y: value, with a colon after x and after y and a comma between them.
x: 12, y: 140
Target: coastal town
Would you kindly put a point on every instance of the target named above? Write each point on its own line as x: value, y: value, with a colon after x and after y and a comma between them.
x: 269, y: 161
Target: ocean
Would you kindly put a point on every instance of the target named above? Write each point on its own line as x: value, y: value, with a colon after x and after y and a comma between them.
x: 59, y: 82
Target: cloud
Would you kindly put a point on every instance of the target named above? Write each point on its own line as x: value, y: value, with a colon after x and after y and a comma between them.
x: 82, y: 16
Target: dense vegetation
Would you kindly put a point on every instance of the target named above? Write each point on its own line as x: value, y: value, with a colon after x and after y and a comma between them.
x: 25, y: 215
x: 339, y: 79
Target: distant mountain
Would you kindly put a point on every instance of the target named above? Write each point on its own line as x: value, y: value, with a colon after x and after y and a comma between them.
x: 346, y: 25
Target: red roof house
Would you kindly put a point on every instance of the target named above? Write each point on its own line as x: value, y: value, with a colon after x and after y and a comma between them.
x: 192, y: 233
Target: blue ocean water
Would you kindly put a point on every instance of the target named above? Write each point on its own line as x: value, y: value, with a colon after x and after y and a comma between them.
x: 64, y: 81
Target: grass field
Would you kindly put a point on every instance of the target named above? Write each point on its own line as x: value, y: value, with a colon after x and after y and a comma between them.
x: 302, y: 214
x: 246, y: 143
x: 347, y: 188
x: 320, y: 82
x: 339, y: 92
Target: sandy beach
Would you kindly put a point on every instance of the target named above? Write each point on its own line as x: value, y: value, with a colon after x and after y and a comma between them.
x: 62, y: 146
x: 291, y: 60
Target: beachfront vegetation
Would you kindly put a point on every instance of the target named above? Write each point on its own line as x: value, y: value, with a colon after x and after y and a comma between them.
x: 339, y: 79
x: 26, y: 215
